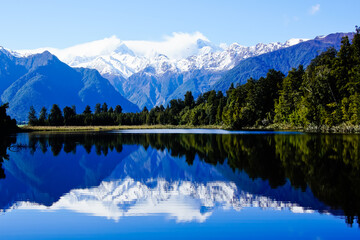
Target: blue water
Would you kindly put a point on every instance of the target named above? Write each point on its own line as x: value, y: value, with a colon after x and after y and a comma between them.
x: 146, y: 184
x: 200, y: 131
x: 249, y: 223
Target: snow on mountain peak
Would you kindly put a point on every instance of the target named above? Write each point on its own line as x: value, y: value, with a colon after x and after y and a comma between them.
x: 123, y: 49
x: 178, y: 52
x: 294, y: 41
x: 8, y: 51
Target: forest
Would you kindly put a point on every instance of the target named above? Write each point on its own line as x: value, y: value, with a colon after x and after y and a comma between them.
x: 323, y: 95
x: 7, y: 124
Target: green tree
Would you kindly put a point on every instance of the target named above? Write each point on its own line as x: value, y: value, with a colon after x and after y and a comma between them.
x: 354, y: 73
x: 354, y: 109
x: 340, y: 69
x: 55, y: 117
x: 98, y: 108
x: 104, y: 107
x: 33, y: 120
x: 144, y: 115
x: 73, y: 107
x: 118, y: 109
x: 290, y: 95
x: 69, y: 116
x: 87, y: 110
x: 319, y: 102
x: 189, y: 100
x: 151, y: 119
x: 6, y: 123
x: 43, y: 117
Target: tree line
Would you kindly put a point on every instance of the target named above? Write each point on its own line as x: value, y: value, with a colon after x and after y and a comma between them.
x: 7, y: 124
x: 326, y: 93
x: 102, y: 115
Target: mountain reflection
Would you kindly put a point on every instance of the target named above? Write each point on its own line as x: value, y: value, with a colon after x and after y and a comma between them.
x: 183, y: 175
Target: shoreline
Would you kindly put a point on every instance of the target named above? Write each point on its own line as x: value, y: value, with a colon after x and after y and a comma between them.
x: 340, y: 129
x: 109, y: 128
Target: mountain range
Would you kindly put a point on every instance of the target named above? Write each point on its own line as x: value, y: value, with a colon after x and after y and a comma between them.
x: 134, y: 76
x: 42, y: 80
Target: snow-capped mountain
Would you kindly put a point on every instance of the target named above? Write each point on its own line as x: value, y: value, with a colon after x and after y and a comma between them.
x: 179, y: 53
x: 150, y: 73
x: 41, y: 80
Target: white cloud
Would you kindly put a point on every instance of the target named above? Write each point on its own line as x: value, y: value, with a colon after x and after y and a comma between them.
x: 94, y: 48
x: 314, y: 9
x: 178, y: 45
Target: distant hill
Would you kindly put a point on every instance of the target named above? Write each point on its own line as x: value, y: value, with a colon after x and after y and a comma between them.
x: 42, y: 80
x: 281, y: 60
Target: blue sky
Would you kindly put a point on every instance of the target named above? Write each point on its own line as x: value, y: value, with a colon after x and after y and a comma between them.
x: 27, y: 24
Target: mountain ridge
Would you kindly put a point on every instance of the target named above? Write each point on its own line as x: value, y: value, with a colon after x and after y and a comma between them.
x: 43, y: 80
x: 282, y: 60
x: 153, y: 79
x: 123, y: 61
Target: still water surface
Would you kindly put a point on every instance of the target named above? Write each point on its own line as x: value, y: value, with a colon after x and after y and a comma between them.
x: 194, y: 184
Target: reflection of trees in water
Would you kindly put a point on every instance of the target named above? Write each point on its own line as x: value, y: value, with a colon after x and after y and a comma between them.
x: 327, y: 164
x: 101, y: 144
x: 5, y: 143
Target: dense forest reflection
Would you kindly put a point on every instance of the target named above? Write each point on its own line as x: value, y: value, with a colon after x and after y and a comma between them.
x: 327, y: 164
x: 5, y: 144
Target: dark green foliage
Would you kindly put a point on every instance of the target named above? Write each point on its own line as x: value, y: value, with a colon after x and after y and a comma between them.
x: 69, y: 116
x: 7, y: 124
x: 55, y: 117
x: 253, y: 103
x: 118, y: 109
x: 98, y: 108
x: 33, y: 120
x: 290, y: 95
x: 104, y: 107
x: 43, y: 117
x: 87, y: 110
x: 326, y: 93
x: 145, y: 110
x: 189, y: 100
x: 5, y: 140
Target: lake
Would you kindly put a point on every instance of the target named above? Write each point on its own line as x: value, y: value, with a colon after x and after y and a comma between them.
x: 193, y: 184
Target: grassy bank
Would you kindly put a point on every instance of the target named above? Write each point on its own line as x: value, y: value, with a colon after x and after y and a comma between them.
x: 312, y: 128
x: 343, y: 128
x: 108, y: 128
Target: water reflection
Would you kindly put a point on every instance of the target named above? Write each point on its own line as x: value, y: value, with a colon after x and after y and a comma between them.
x: 5, y: 144
x: 185, y: 176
